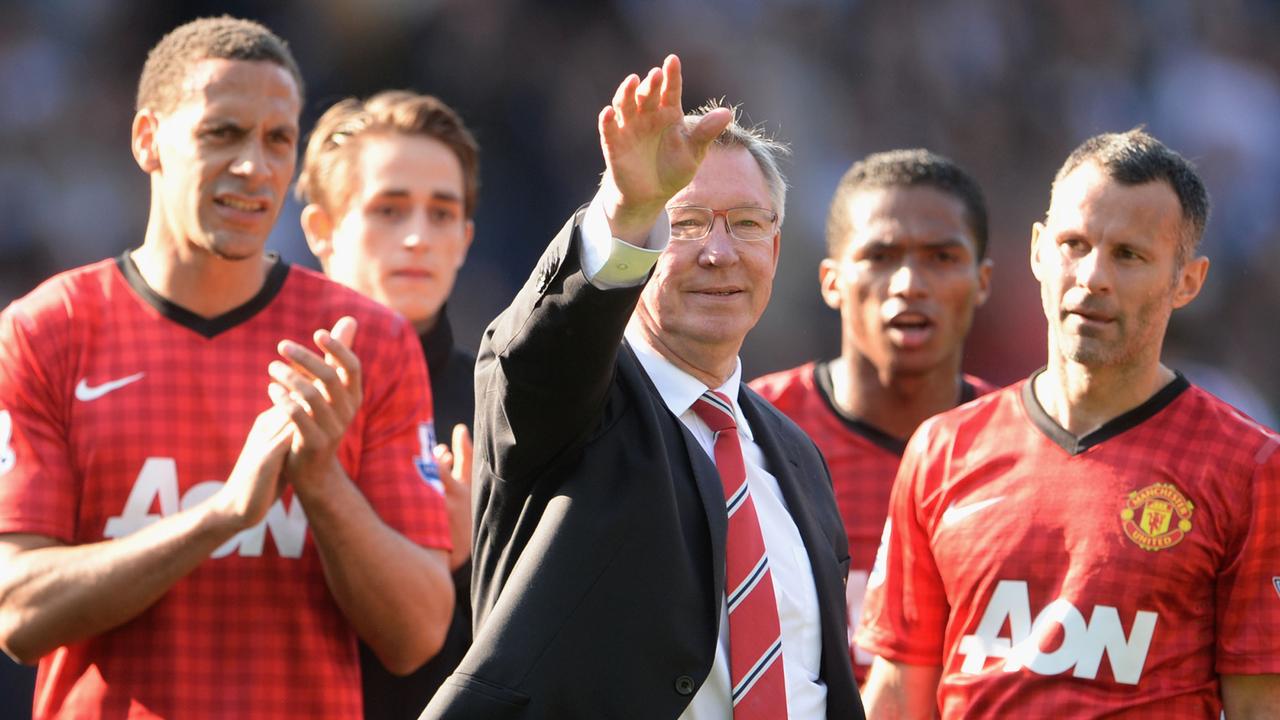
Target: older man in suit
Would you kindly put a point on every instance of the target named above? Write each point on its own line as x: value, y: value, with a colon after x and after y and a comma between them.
x: 653, y: 539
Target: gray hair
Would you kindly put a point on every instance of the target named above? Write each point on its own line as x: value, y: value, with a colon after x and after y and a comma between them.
x: 764, y: 149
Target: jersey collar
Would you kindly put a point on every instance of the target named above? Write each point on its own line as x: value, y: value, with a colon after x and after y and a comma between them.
x: 208, y: 327
x: 1113, y: 427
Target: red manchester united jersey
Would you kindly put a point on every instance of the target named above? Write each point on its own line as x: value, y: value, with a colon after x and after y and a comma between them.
x: 1050, y: 576
x: 118, y: 408
x: 863, y: 461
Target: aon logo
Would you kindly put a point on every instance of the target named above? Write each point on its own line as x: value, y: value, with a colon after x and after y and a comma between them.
x: 157, y: 483
x: 1083, y: 643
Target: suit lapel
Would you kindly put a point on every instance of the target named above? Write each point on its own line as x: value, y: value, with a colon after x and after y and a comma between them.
x: 705, y: 477
x: 711, y: 491
x: 780, y: 453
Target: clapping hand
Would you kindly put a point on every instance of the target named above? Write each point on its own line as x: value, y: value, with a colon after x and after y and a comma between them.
x: 320, y: 395
x: 455, y: 473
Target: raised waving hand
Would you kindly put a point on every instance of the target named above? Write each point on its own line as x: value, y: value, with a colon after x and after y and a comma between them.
x: 650, y: 152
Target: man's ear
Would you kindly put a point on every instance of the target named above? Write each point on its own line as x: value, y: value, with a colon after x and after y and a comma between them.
x: 984, y: 280
x: 143, y: 140
x: 317, y: 225
x: 1190, y: 280
x: 829, y: 282
x: 1036, y: 229
x: 468, y: 235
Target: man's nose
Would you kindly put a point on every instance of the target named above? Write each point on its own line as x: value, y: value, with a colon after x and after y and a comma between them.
x: 250, y: 161
x: 416, y: 230
x: 1093, y: 271
x: 719, y: 247
x: 907, y: 280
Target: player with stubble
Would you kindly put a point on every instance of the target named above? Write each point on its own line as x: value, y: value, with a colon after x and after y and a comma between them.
x: 204, y: 498
x: 906, y: 268
x: 1099, y: 540
x: 391, y: 184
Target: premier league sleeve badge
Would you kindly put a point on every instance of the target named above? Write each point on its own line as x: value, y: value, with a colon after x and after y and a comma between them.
x: 425, y: 461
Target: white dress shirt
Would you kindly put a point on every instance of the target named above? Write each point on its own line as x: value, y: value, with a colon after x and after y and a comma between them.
x: 609, y: 262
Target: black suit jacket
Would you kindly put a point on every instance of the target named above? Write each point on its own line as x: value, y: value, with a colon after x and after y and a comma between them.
x: 599, y: 553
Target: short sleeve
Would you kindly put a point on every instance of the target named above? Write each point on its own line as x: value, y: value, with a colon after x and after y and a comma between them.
x: 397, y: 471
x: 1248, y: 593
x: 38, y: 489
x: 904, y: 614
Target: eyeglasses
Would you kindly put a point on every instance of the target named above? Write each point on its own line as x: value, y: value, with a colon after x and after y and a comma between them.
x: 748, y: 224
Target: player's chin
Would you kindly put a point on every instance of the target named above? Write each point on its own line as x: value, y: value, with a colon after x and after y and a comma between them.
x: 237, y: 246
x: 916, y: 360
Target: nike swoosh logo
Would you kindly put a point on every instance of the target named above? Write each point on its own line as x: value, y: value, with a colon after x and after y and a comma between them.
x: 86, y: 392
x: 955, y: 513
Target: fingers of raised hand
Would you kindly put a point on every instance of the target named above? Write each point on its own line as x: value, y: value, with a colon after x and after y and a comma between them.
x: 649, y: 92
x: 624, y: 99
x: 672, y: 82
x: 709, y: 126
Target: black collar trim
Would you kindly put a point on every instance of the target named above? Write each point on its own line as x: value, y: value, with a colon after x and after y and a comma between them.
x: 208, y: 327
x: 822, y: 379
x: 1113, y: 427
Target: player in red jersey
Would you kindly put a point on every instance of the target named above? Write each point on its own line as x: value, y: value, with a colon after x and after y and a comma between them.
x: 906, y: 268
x: 1102, y: 539
x: 197, y: 512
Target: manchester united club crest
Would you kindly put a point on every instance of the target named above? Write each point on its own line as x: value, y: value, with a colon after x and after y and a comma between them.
x: 1157, y: 517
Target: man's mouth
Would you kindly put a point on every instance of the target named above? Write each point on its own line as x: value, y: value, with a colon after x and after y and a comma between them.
x: 241, y: 204
x: 719, y: 292
x: 412, y: 273
x: 1092, y: 316
x: 910, y: 329
x: 910, y: 321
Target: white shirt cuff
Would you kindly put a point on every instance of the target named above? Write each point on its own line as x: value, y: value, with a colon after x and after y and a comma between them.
x: 612, y: 263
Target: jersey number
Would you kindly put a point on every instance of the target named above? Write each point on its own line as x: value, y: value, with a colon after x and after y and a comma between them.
x: 157, y: 483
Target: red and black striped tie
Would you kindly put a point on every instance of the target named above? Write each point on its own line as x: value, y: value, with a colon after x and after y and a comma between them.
x: 755, y: 636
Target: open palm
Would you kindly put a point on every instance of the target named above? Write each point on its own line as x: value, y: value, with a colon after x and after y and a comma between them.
x: 649, y: 151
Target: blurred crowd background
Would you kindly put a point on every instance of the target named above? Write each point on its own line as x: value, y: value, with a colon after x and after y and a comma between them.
x: 1005, y: 87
